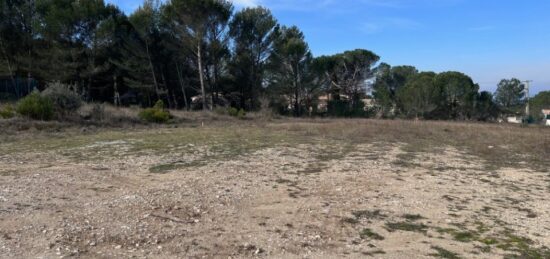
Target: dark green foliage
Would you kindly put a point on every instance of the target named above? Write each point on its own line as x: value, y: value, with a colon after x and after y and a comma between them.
x: 538, y: 103
x: 234, y: 112
x: 290, y: 67
x: 486, y: 108
x: 510, y: 94
x: 344, y: 108
x: 241, y: 114
x: 202, y: 50
x: 419, y: 96
x: 65, y: 101
x: 347, y: 72
x: 35, y: 106
x: 156, y: 114
x: 458, y: 95
x: 7, y: 112
x: 390, y: 81
x: 252, y: 30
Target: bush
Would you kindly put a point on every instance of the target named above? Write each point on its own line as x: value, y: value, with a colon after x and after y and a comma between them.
x: 64, y: 100
x: 98, y: 112
x: 7, y: 112
x: 344, y: 108
x: 36, y: 107
x: 241, y: 114
x: 234, y: 112
x: 157, y: 114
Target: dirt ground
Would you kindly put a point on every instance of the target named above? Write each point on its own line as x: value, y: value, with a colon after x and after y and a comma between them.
x: 269, y: 191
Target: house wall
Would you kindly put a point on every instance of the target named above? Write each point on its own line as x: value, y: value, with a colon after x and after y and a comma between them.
x: 515, y: 120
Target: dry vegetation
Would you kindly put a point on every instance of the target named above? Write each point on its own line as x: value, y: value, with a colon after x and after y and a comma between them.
x: 214, y: 186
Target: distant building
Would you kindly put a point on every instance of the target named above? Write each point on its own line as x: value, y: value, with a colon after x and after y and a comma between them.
x: 514, y: 119
x: 323, y: 100
x: 369, y: 103
x: 546, y: 117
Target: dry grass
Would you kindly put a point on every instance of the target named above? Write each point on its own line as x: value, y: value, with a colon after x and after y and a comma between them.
x: 500, y: 145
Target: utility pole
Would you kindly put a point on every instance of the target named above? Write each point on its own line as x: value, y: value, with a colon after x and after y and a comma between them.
x: 527, y: 83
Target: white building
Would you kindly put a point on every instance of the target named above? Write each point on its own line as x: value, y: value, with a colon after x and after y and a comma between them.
x: 546, y: 117
x: 514, y: 119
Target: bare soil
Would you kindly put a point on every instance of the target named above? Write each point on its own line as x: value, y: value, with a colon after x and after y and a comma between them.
x: 275, y: 190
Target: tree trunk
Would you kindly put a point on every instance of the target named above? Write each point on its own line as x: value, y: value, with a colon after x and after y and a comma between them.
x: 176, y: 105
x: 201, y: 76
x: 166, y: 87
x: 152, y: 69
x: 215, y: 87
x: 180, y: 79
x: 116, y: 97
x: 297, y: 91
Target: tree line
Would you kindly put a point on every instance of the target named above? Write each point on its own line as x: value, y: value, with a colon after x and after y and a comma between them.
x: 201, y: 54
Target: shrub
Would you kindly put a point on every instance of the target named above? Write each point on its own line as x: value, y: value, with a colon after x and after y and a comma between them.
x: 345, y: 108
x: 7, y: 112
x: 98, y: 112
x: 234, y: 112
x: 36, y: 107
x: 159, y: 105
x: 64, y: 100
x: 241, y: 114
x: 157, y: 114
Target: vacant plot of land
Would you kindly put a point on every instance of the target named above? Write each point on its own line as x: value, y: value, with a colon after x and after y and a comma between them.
x: 337, y: 188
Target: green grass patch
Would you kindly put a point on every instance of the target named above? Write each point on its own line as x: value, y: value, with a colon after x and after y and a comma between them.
x: 465, y: 236
x: 488, y: 241
x: 444, y: 253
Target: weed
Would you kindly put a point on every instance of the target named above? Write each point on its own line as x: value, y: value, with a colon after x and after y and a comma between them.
x: 406, y: 226
x: 444, y: 253
x: 166, y: 168
x: 369, y: 234
x: 368, y: 214
x: 375, y: 252
x: 350, y: 220
x: 464, y: 236
x: 488, y: 241
x: 413, y: 217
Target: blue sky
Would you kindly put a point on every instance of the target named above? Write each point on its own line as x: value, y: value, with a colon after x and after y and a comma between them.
x: 486, y: 39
